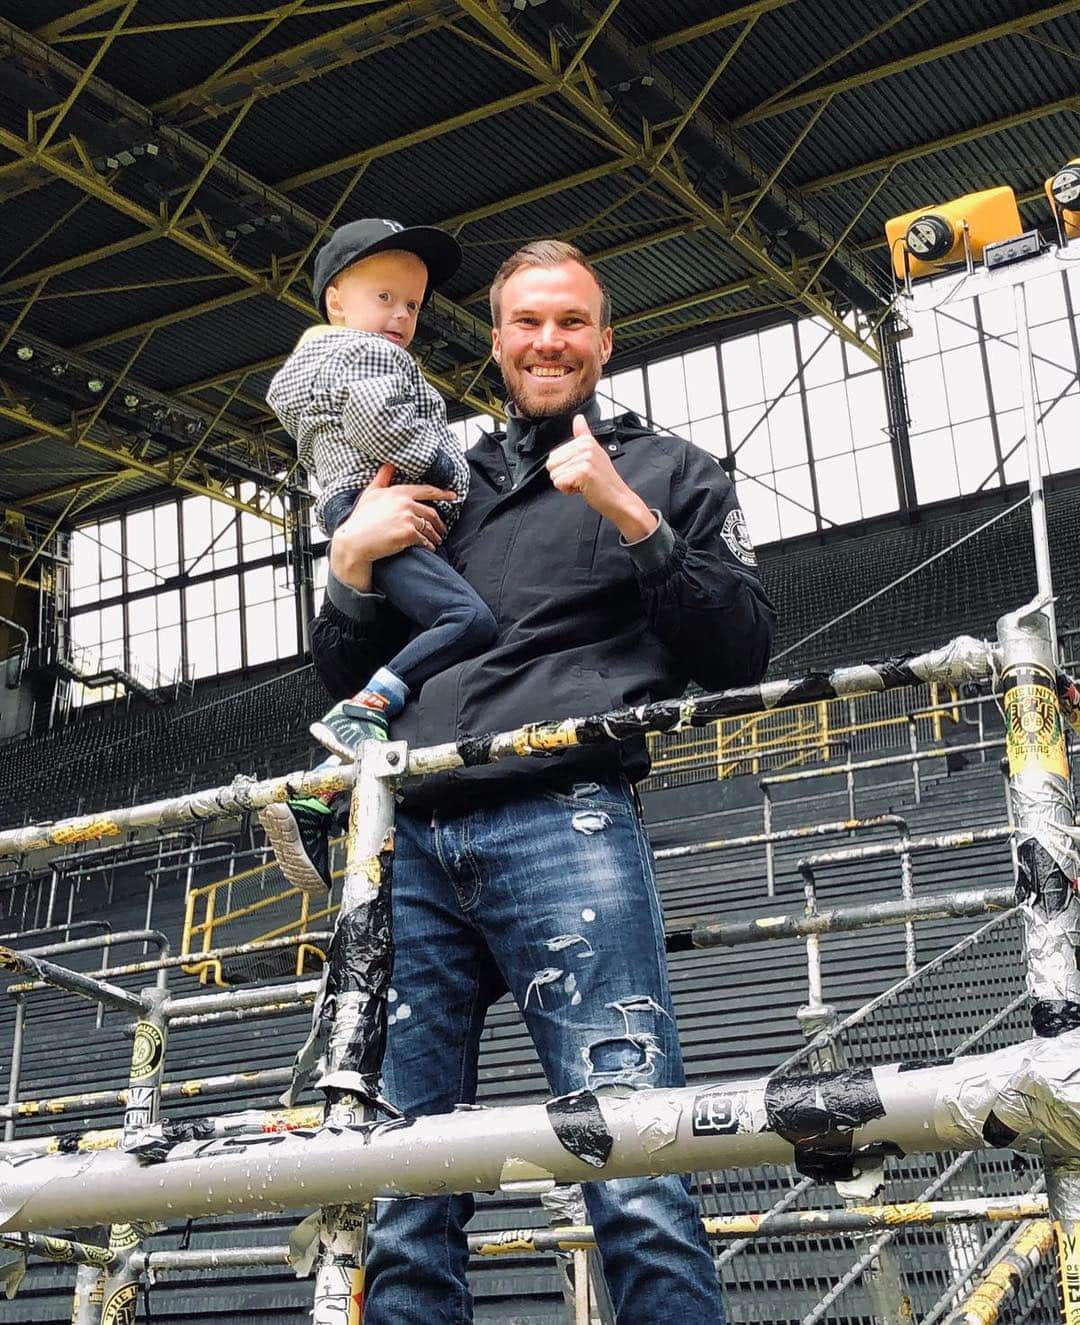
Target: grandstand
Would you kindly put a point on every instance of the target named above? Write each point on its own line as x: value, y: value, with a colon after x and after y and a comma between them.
x: 166, y: 173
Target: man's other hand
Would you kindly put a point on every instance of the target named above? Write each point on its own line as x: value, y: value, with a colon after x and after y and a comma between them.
x: 386, y: 519
x: 582, y: 465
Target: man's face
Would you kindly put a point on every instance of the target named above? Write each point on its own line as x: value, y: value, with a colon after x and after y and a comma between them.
x: 549, y: 343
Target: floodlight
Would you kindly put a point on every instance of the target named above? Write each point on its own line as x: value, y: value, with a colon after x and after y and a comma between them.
x: 25, y: 353
x: 1063, y: 193
x: 131, y: 401
x: 95, y: 386
x: 929, y: 239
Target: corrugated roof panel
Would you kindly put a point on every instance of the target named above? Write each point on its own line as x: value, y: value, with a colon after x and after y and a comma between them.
x: 154, y: 66
x: 364, y: 104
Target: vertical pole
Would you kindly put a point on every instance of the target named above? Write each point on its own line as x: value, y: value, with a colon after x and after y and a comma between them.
x: 89, y: 1287
x: 357, y: 978
x: 303, y: 583
x: 54, y: 879
x: 770, y: 857
x: 16, y: 1061
x: 913, y: 742
x: 121, y: 1288
x: 1039, y: 535
x: 1047, y: 861
x: 907, y: 891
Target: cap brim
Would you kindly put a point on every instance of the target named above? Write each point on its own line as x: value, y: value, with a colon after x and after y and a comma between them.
x: 438, y: 251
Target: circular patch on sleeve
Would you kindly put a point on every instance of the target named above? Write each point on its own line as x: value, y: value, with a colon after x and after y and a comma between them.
x: 737, y: 537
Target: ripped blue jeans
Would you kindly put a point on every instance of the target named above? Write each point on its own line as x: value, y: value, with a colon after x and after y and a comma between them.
x: 552, y: 896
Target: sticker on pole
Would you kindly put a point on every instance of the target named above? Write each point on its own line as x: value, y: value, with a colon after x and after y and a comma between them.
x: 147, y: 1051
x: 1034, y: 735
x: 120, y: 1308
x: 717, y: 1114
x: 1069, y: 1262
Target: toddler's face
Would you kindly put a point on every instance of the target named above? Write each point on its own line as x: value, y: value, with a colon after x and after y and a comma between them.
x: 382, y: 294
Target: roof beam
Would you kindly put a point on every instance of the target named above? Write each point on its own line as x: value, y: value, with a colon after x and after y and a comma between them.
x: 92, y: 183
x: 741, y: 15
x: 83, y: 14
x: 668, y: 173
x: 770, y: 110
x: 456, y: 323
x: 309, y: 59
x: 165, y: 471
x: 689, y: 301
x: 958, y: 139
x: 416, y: 136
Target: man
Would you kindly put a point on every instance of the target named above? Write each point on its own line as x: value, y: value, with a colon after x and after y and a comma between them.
x: 616, y: 563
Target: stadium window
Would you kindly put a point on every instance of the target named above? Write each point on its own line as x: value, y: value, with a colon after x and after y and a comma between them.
x: 622, y: 392
x: 968, y: 398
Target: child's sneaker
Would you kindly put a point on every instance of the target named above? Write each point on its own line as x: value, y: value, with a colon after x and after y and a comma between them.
x: 352, y: 722
x: 299, y: 832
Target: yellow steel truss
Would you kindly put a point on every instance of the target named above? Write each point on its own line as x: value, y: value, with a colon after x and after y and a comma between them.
x: 641, y: 152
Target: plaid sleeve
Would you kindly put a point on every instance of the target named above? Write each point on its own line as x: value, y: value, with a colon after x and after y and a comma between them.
x: 371, y: 384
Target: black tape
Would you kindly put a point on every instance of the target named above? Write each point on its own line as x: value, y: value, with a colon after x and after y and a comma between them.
x: 1041, y: 880
x: 812, y: 686
x: 154, y: 1144
x: 68, y: 1143
x: 360, y: 962
x: 918, y: 1064
x: 1050, y: 1017
x: 475, y: 750
x: 996, y: 1133
x: 592, y: 730
x: 580, y: 1127
x: 823, y: 1133
x: 896, y: 672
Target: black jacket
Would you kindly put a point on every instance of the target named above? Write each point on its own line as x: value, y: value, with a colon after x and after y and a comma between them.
x: 585, y: 624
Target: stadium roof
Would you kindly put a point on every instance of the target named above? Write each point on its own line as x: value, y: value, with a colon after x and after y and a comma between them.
x: 168, y: 166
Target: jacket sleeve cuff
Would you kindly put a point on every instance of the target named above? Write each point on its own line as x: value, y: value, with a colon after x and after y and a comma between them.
x: 352, y: 603
x: 652, y: 552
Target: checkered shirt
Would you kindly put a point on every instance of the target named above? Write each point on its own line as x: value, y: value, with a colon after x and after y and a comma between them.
x: 353, y: 400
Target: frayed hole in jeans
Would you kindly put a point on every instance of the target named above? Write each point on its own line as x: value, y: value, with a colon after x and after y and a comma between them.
x: 590, y: 821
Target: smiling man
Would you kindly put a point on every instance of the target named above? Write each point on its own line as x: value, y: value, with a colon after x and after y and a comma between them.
x: 616, y: 564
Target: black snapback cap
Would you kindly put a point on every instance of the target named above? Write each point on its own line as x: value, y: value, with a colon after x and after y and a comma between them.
x: 439, y: 252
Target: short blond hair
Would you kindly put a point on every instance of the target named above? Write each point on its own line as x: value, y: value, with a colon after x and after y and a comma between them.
x: 546, y: 253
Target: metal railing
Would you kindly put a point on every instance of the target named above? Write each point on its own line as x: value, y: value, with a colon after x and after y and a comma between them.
x: 808, y: 733
x: 518, y: 1148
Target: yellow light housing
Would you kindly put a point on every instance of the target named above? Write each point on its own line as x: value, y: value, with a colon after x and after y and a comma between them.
x: 1063, y: 194
x: 933, y: 237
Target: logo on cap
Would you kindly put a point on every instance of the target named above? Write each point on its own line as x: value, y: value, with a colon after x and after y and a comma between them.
x: 395, y: 226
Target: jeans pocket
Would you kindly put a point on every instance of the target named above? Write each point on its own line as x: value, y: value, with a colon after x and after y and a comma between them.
x: 590, y: 799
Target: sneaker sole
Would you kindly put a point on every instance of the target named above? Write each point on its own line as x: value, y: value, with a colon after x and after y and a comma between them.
x: 329, y: 741
x: 280, y: 826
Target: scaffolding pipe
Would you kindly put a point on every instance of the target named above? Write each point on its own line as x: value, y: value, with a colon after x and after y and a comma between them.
x: 542, y: 1241
x: 224, y: 1124
x: 961, y: 660
x: 169, y: 962
x: 853, y: 1221
x: 841, y: 919
x: 842, y: 1122
x: 1027, y: 1250
x: 905, y: 849
x: 1048, y: 864
x: 271, y: 1078
x: 73, y: 982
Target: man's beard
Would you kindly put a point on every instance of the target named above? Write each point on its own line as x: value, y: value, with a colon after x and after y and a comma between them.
x: 548, y: 411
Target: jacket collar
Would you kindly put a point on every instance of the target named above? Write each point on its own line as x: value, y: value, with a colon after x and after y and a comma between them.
x: 538, y: 436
